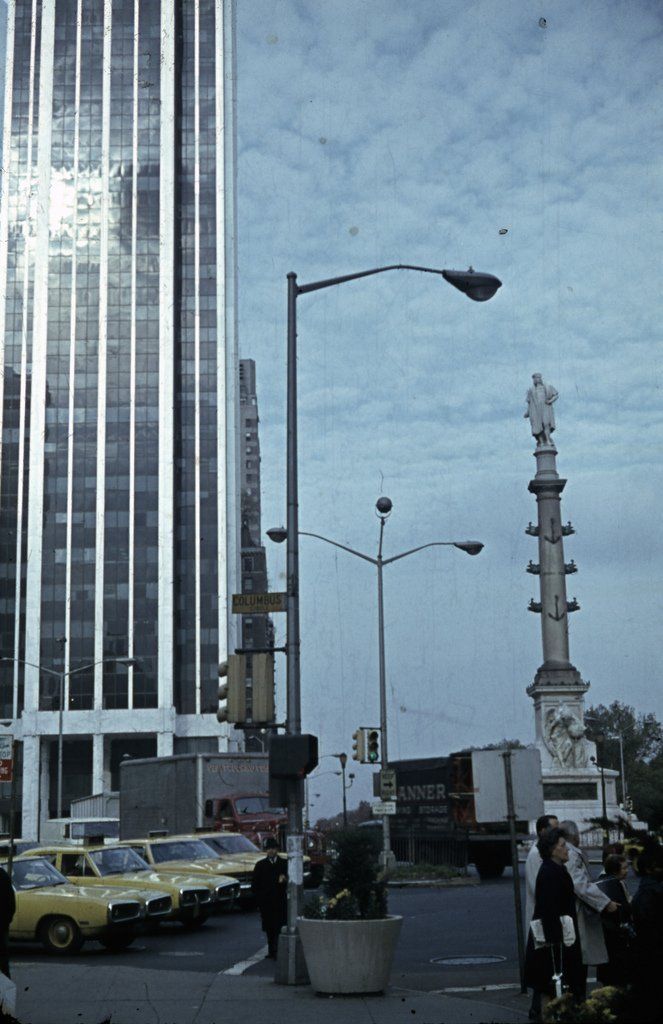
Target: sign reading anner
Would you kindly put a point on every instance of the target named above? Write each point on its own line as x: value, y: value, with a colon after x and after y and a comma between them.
x: 259, y: 604
x: 6, y: 758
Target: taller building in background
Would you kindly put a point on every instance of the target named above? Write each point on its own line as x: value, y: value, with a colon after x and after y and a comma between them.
x: 257, y: 630
x: 118, y: 473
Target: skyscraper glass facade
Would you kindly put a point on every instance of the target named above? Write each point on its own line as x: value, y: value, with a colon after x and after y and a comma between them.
x: 116, y: 344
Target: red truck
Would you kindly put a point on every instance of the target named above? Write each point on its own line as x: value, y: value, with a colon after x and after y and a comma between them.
x: 221, y: 792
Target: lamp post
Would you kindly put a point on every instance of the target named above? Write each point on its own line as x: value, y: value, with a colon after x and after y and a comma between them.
x: 343, y: 759
x: 477, y: 286
x: 600, y: 739
x: 471, y: 547
x: 61, y: 676
x: 620, y: 739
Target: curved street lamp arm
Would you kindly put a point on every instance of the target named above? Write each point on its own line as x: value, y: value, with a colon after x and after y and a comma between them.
x: 31, y: 664
x: 344, y: 547
x: 433, y: 544
x: 316, y: 285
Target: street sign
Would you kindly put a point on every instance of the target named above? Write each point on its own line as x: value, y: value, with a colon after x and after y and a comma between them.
x: 490, y: 795
x: 383, y: 807
x: 259, y: 604
x: 388, y: 783
x: 6, y: 758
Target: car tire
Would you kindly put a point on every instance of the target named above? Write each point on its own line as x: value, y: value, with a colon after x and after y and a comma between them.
x: 116, y: 943
x: 60, y: 935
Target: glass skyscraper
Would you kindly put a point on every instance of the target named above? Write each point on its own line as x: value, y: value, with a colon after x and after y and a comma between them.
x: 118, y: 468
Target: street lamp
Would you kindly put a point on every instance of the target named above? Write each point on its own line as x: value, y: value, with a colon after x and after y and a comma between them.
x: 383, y: 507
x: 477, y: 286
x: 620, y: 739
x: 600, y: 739
x: 61, y: 676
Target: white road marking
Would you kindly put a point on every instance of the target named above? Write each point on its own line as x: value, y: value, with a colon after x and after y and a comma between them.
x: 182, y: 953
x: 244, y: 965
x: 478, y: 988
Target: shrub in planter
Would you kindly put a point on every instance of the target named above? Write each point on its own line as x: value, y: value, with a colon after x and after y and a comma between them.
x: 354, y: 888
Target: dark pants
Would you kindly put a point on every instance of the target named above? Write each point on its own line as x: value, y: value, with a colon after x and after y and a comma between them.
x: 273, y: 941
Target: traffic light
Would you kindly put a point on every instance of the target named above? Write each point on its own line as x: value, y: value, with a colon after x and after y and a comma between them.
x: 263, y: 689
x: 232, y: 693
x: 358, y: 745
x: 372, y: 746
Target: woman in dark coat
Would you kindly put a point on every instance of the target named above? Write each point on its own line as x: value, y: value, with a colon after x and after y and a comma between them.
x: 647, y: 905
x: 553, y: 899
x: 270, y: 888
x: 617, y: 928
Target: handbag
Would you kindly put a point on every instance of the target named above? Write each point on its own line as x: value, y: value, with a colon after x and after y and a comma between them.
x: 568, y: 931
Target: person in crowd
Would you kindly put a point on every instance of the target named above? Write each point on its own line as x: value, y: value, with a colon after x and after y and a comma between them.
x: 647, y: 907
x: 532, y: 865
x: 7, y: 911
x: 555, y: 953
x: 269, y: 885
x: 590, y: 904
x: 617, y: 929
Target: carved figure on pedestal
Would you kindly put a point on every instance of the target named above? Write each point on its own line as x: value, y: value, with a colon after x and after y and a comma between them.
x: 540, y: 412
x: 564, y: 736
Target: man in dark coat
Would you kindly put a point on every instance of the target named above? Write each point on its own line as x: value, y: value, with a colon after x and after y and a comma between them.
x: 647, y: 907
x: 7, y: 911
x: 270, y: 888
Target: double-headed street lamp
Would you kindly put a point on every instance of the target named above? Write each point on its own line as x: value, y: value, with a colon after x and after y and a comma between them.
x: 478, y: 287
x: 471, y: 547
x: 61, y: 676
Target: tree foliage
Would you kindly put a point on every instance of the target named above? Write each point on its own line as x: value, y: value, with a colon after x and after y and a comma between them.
x: 358, y: 814
x: 642, y: 740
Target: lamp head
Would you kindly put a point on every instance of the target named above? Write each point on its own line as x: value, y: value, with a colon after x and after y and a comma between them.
x: 384, y: 506
x: 479, y: 287
x: 470, y: 547
x: 278, y: 534
x: 127, y: 662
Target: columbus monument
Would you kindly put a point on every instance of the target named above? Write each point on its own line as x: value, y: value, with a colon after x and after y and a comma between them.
x: 571, y: 779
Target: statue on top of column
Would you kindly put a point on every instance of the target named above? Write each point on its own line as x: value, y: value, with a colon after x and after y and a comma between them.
x: 540, y: 412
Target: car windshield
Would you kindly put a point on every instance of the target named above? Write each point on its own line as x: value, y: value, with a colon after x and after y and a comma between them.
x: 257, y: 805
x: 188, y: 849
x: 35, y: 873
x: 231, y: 844
x: 116, y: 861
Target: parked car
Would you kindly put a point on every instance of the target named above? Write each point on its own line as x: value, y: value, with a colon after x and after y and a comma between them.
x: 192, y: 898
x: 192, y: 855
x: 62, y: 916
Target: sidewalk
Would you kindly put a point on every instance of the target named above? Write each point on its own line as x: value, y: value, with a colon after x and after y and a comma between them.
x: 72, y: 994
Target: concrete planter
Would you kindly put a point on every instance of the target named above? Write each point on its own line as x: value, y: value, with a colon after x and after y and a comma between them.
x: 349, y: 956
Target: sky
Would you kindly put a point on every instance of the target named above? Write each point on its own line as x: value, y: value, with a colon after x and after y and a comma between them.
x: 383, y: 132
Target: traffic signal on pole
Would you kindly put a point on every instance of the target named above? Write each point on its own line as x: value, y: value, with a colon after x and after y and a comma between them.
x: 262, y: 712
x: 232, y: 693
x: 372, y: 746
x: 358, y: 745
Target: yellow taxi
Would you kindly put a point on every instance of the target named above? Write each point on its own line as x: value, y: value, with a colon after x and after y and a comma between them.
x: 62, y: 916
x: 238, y: 847
x: 192, y: 855
x: 192, y: 898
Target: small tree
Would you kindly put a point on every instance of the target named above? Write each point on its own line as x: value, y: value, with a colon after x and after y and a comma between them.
x: 355, y: 870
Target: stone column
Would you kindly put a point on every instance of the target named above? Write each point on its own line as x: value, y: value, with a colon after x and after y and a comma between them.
x: 551, y: 568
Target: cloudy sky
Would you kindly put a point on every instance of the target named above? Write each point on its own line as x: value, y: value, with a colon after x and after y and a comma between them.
x: 375, y: 132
